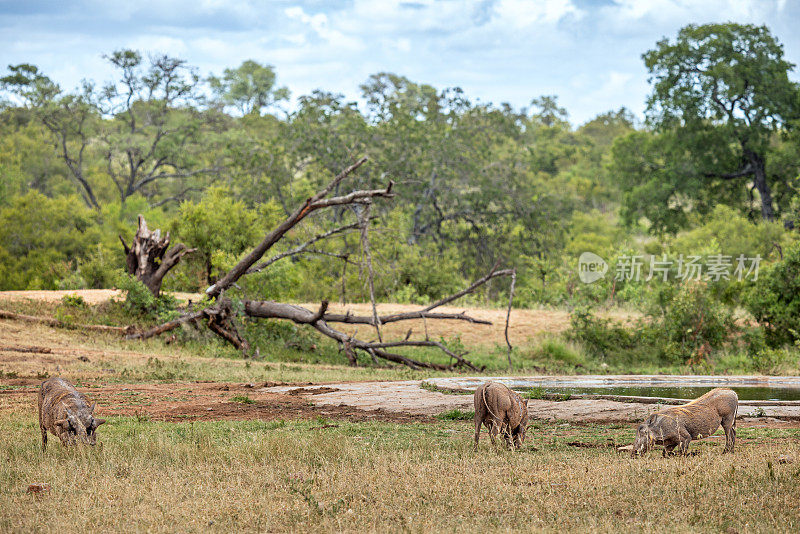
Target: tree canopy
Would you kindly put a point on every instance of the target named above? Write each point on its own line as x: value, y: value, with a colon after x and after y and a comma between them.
x: 721, y: 100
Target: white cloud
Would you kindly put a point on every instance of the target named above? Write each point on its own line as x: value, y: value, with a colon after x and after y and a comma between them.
x: 496, y: 50
x: 525, y: 14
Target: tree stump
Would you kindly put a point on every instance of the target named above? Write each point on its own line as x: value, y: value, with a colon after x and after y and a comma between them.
x: 148, y: 258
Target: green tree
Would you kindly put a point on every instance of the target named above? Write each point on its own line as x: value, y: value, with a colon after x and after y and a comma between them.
x: 144, y: 133
x: 249, y: 88
x: 44, y: 240
x: 722, y: 92
x: 218, y: 226
x: 774, y: 300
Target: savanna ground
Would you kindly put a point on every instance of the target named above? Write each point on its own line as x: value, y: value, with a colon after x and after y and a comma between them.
x: 192, y: 445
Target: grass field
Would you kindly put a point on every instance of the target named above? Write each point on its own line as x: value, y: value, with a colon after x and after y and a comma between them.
x: 275, y: 463
x: 325, y: 475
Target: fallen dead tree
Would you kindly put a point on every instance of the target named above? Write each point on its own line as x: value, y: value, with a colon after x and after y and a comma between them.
x: 221, y: 315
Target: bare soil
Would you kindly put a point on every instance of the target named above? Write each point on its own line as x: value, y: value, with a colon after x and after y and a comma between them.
x: 202, y: 401
x: 31, y: 352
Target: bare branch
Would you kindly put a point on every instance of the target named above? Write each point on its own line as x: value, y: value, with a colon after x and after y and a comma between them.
x: 166, y: 327
x: 359, y: 319
x: 275, y: 235
x: 302, y: 248
x: 494, y: 273
x: 364, y: 220
x: 508, y: 316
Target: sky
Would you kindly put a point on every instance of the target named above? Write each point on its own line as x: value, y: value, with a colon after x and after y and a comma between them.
x: 586, y: 52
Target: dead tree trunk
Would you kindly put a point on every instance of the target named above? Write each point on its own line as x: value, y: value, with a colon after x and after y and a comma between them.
x: 148, y: 258
x: 221, y: 318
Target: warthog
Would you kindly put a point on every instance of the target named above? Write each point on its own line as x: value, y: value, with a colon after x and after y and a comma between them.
x: 64, y: 412
x: 681, y: 424
x: 501, y: 410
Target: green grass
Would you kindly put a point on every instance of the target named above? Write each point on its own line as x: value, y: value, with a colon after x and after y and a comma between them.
x: 456, y: 415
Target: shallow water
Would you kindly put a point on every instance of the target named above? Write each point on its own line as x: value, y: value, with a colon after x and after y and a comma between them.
x: 684, y: 392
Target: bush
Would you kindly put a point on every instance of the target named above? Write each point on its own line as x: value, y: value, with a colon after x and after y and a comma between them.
x: 599, y: 336
x: 555, y: 349
x: 43, y: 240
x: 686, y: 326
x: 217, y: 224
x: 139, y: 301
x: 693, y: 322
x: 774, y: 299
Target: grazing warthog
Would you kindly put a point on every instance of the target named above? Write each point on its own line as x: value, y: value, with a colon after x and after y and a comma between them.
x: 681, y: 424
x: 501, y: 410
x: 64, y: 412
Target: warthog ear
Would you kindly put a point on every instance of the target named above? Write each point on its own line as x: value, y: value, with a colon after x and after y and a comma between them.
x: 525, y: 402
x: 92, y: 407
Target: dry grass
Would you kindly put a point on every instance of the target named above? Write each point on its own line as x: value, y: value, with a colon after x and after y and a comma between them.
x: 321, y: 475
x: 90, y: 296
x: 314, y: 476
x: 524, y: 327
x: 111, y: 359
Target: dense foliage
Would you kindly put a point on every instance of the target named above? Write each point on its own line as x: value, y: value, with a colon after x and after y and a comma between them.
x: 712, y: 173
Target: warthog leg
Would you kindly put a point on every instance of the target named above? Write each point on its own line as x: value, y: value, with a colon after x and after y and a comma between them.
x: 730, y: 434
x: 44, y: 437
x: 685, y: 438
x: 495, y: 428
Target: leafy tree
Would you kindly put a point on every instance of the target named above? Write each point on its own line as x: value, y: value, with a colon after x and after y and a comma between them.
x: 720, y: 92
x: 68, y: 117
x: 606, y: 127
x: 43, y: 240
x: 146, y: 128
x: 774, y: 300
x: 249, y: 88
x: 217, y: 225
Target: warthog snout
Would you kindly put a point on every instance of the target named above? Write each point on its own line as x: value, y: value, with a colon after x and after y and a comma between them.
x: 80, y: 430
x: 644, y: 441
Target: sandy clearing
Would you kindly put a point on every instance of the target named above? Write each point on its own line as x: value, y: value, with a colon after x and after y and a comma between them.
x: 525, y: 324
x: 91, y: 296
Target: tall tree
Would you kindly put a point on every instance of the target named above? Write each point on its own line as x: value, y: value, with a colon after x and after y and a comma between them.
x: 68, y: 117
x: 249, y: 88
x: 148, y: 126
x: 724, y: 89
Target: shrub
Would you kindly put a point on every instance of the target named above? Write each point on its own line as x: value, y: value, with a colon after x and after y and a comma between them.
x: 685, y: 327
x: 599, y: 336
x: 141, y: 302
x: 694, y: 322
x: 73, y: 301
x: 555, y: 349
x: 774, y: 299
x: 42, y: 241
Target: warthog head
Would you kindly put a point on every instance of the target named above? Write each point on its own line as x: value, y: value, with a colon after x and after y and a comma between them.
x: 645, y: 440
x: 80, y: 427
x: 519, y: 433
